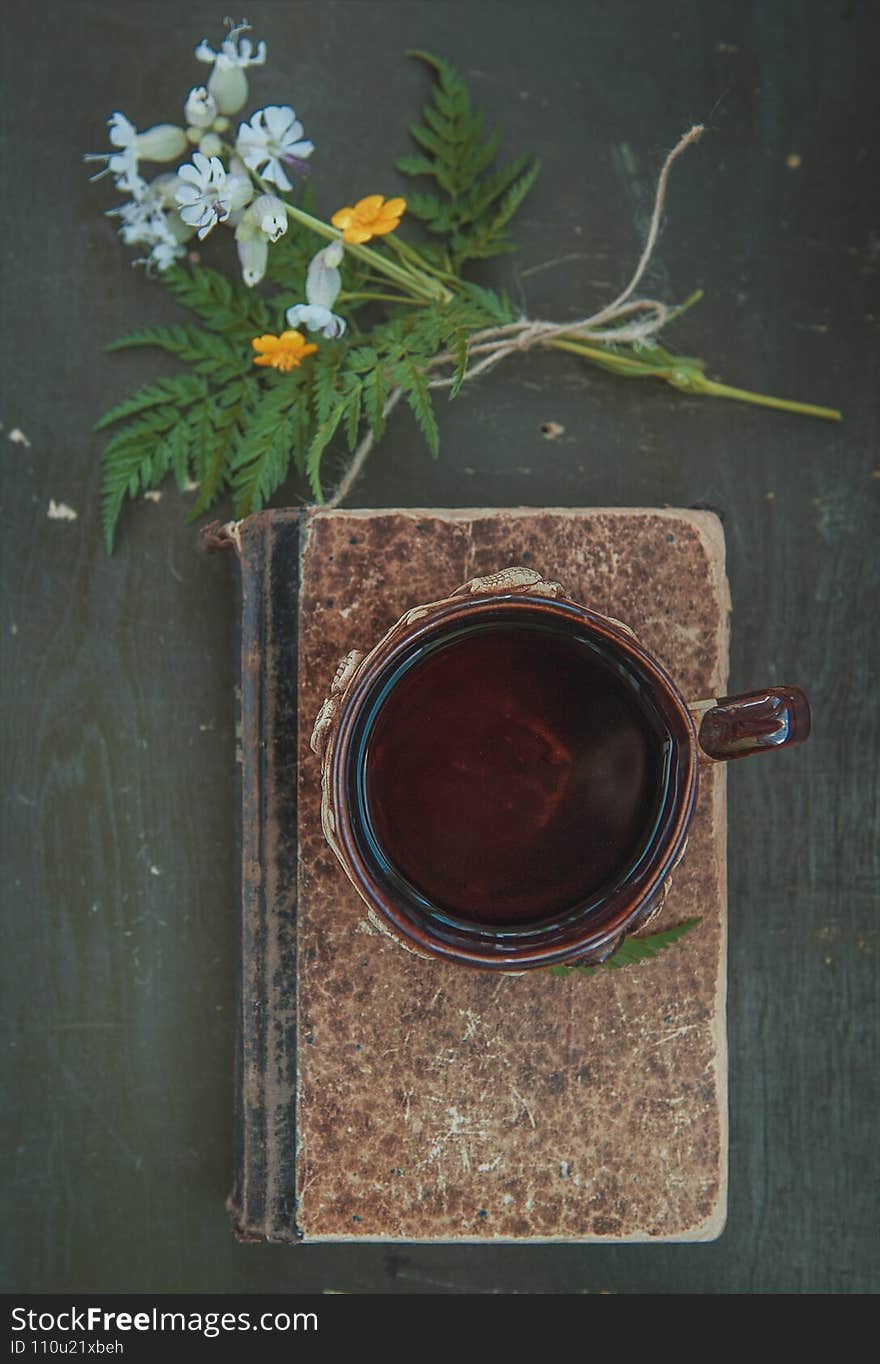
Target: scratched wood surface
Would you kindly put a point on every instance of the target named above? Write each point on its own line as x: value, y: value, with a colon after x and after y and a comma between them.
x: 118, y: 741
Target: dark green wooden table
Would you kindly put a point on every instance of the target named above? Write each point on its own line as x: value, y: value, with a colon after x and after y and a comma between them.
x: 119, y: 675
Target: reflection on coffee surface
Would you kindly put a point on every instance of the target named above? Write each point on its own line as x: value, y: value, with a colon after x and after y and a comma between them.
x: 513, y: 773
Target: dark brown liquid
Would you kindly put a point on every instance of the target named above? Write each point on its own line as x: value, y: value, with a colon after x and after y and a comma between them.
x: 511, y: 774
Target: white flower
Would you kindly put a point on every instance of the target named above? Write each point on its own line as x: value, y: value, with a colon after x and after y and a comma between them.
x: 273, y: 139
x: 208, y: 195
x: 323, y: 283
x: 123, y: 163
x: 227, y: 82
x: 253, y: 253
x: 316, y: 319
x: 270, y: 214
x: 200, y: 109
x: 263, y: 222
x: 323, y: 280
x: 164, y: 142
x: 164, y: 190
x: 165, y: 251
x: 144, y: 223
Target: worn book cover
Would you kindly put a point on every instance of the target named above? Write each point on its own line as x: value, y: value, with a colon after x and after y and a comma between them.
x: 384, y: 1097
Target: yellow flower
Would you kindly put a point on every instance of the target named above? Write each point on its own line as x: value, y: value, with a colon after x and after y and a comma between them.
x: 370, y: 217
x: 284, y: 352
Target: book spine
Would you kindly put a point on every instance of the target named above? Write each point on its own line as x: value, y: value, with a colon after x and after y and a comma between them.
x: 261, y: 1203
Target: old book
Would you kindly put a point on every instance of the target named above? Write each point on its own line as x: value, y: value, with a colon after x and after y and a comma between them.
x: 383, y: 1097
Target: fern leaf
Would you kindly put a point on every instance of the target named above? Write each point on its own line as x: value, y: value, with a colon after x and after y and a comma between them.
x: 376, y: 394
x: 424, y: 332
x: 262, y: 449
x: 324, y: 378
x: 418, y: 396
x: 135, y: 458
x: 181, y: 390
x: 222, y: 306
x: 644, y: 949
x: 429, y: 140
x: 225, y: 415
x: 483, y: 156
x: 430, y: 211
x: 514, y: 197
x: 211, y: 355
x: 362, y: 359
x: 202, y: 440
x: 166, y: 338
x: 632, y: 950
x: 300, y: 427
x: 439, y: 123
x: 486, y: 237
x: 174, y: 453
x: 492, y: 187
x: 496, y: 307
x: 321, y: 439
x: 456, y: 154
x: 480, y: 248
x: 415, y: 165
x: 353, y: 415
x: 451, y: 92
x: 459, y: 348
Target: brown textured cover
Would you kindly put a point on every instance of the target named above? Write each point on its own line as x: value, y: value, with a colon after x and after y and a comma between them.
x: 438, y: 1103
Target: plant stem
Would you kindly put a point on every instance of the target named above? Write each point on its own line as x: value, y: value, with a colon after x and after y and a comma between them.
x: 691, y: 381
x: 742, y: 395
x: 380, y: 298
x: 418, y: 285
x: 689, y: 302
x: 409, y: 253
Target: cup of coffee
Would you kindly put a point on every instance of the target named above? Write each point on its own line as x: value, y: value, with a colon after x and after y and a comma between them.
x: 508, y: 777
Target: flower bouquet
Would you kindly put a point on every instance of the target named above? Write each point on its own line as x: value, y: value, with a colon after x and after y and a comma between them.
x: 331, y: 322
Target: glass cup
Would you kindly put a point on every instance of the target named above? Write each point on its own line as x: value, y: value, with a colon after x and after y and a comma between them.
x: 508, y: 777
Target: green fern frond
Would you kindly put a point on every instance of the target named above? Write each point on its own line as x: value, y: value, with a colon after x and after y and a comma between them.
x: 495, y: 307
x: 181, y: 390
x: 510, y: 203
x: 632, y: 950
x: 210, y: 354
x: 176, y: 453
x: 492, y: 187
x: 321, y: 439
x: 222, y: 305
x: 428, y: 209
x: 135, y: 458
x: 415, y: 389
x: 417, y: 165
x: 353, y: 415
x: 263, y: 449
x: 474, y: 204
x: 361, y: 359
x: 376, y: 394
x: 459, y: 348
x: 215, y: 446
x: 424, y: 333
x: 325, y: 374
x: 300, y: 426
x: 166, y: 338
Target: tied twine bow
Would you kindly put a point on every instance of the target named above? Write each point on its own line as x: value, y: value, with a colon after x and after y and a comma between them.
x: 625, y: 321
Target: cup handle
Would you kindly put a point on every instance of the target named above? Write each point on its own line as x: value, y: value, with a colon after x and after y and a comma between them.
x: 755, y: 722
